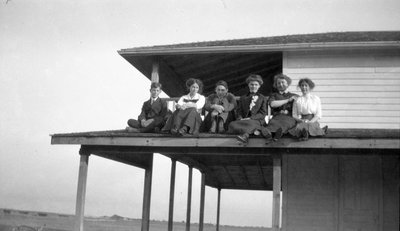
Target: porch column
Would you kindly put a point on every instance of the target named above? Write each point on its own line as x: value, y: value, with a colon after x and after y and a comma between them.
x: 189, y: 198
x: 148, y: 175
x: 155, y: 70
x: 81, y: 193
x: 171, y: 196
x: 202, y: 196
x: 218, y: 207
x: 276, y: 199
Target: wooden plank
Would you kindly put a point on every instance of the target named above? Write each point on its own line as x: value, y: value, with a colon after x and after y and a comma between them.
x: 311, y: 197
x: 155, y: 70
x: 202, y: 201
x: 342, y: 59
x: 368, y: 101
x: 344, y: 75
x: 364, y: 113
x: 361, y: 107
x: 329, y: 70
x: 351, y: 82
x: 189, y: 198
x: 285, y: 191
x: 218, y: 208
x: 352, y: 94
x: 148, y: 176
x: 360, y: 188
x: 81, y: 192
x: 161, y: 144
x: 348, y: 119
x: 361, y: 125
x: 355, y: 88
x: 171, y: 196
x: 276, y: 198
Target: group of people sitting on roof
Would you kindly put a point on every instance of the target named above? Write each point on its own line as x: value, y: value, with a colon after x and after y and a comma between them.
x: 292, y: 114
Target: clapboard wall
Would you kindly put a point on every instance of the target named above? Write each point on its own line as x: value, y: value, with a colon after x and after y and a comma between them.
x: 358, y: 88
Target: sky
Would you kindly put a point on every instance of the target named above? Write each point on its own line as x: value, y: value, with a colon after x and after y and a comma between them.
x: 60, y: 72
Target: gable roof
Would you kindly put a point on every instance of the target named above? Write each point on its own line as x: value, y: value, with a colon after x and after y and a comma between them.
x: 234, y: 60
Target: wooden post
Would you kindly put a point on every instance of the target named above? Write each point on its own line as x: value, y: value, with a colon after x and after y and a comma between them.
x: 155, y: 71
x: 81, y: 193
x: 148, y: 175
x: 202, y: 196
x: 171, y: 196
x: 189, y: 198
x: 276, y: 199
x: 218, y: 207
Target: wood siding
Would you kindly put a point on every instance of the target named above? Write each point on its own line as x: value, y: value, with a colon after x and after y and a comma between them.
x: 340, y: 192
x: 358, y: 89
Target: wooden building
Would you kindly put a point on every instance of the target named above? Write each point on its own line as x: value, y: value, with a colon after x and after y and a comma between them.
x: 347, y: 180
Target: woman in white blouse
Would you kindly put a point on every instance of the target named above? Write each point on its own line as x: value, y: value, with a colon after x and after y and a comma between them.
x: 186, y: 118
x: 307, y: 112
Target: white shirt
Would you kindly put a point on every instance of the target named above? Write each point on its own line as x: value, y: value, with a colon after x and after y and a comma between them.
x: 201, y: 100
x: 307, y: 104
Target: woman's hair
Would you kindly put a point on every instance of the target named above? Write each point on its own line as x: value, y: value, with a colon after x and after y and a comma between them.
x: 155, y: 85
x: 192, y: 81
x: 309, y: 82
x: 221, y: 83
x: 281, y: 76
x: 254, y: 77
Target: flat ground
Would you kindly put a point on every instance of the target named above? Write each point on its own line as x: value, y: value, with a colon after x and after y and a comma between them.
x: 35, y: 221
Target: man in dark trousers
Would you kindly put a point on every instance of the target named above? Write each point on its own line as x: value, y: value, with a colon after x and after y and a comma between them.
x: 153, y: 114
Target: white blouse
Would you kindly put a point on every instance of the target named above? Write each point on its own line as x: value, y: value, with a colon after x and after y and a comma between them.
x: 201, y: 100
x: 307, y: 104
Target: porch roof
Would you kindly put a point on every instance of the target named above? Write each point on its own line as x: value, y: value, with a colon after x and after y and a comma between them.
x: 234, y: 60
x: 226, y: 163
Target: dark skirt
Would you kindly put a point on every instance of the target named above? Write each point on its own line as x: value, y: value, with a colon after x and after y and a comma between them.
x: 244, y: 126
x: 180, y: 118
x: 284, y: 122
x: 313, y: 129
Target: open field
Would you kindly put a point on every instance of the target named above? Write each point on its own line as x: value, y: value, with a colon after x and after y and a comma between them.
x: 30, y: 221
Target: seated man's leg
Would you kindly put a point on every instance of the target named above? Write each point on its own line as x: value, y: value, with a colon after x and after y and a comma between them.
x: 158, y: 122
x: 133, y: 123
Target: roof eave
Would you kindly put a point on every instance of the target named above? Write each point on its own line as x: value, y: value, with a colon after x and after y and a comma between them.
x: 258, y: 48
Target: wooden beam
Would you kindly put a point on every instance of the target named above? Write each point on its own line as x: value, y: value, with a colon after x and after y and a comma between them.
x: 212, y: 178
x: 277, y: 162
x: 229, y: 175
x: 262, y: 173
x: 245, y: 175
x: 155, y: 70
x: 147, y: 195
x: 218, y: 208
x: 202, y: 200
x: 171, y: 195
x: 81, y: 193
x: 222, y: 142
x: 189, y: 198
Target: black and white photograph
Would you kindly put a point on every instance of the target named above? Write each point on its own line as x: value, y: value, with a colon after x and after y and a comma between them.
x: 211, y: 115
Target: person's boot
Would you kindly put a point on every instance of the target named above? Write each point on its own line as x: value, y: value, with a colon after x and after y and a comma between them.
x: 278, y: 134
x: 213, y: 125
x: 244, y: 138
x: 325, y: 129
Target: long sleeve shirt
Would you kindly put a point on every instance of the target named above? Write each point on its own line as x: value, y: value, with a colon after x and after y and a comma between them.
x: 198, y: 99
x: 309, y: 104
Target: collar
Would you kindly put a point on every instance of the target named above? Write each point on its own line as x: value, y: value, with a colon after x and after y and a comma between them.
x: 283, y: 92
x: 252, y: 93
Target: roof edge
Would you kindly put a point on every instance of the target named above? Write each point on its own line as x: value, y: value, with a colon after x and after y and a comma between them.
x: 258, y: 48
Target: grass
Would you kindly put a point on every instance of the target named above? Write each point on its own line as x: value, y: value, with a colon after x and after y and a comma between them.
x: 10, y: 219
